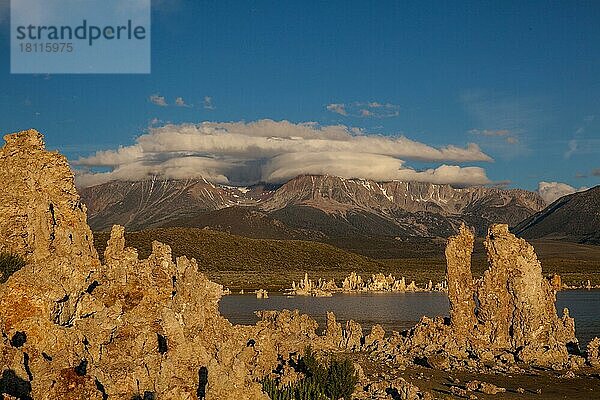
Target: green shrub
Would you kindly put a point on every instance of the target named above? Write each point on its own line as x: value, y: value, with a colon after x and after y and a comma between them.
x: 312, y: 368
x: 9, y: 264
x: 305, y: 389
x: 332, y: 379
x: 341, y: 379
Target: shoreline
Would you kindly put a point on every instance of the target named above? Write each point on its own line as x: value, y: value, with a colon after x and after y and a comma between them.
x: 374, y: 283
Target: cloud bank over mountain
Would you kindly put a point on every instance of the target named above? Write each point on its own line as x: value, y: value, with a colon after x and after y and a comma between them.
x: 275, y: 151
x: 551, y: 191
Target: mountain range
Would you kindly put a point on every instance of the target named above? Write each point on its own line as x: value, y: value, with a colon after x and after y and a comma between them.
x: 313, y: 207
x: 572, y: 218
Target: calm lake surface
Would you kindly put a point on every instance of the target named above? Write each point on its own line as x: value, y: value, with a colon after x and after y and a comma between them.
x: 397, y: 311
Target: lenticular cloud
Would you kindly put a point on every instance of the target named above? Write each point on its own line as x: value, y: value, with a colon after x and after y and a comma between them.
x: 275, y: 151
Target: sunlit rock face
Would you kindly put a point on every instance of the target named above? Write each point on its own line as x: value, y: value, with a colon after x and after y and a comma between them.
x: 517, y: 304
x: 593, y: 350
x: 41, y: 213
x: 460, y: 282
x: 73, y: 328
x: 42, y: 219
x: 509, y: 313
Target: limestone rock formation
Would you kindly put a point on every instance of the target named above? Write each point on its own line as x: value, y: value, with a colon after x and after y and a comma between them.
x: 556, y: 282
x: 320, y: 288
x: 355, y: 283
x: 352, y: 336
x: 397, y: 388
x: 377, y: 334
x: 73, y: 328
x: 508, y: 315
x: 460, y: 281
x: 484, y: 387
x: 333, y: 332
x: 593, y: 352
x: 41, y: 213
x: 516, y: 303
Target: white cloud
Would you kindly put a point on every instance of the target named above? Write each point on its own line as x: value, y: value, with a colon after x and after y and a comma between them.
x: 337, y: 108
x: 158, y: 100
x: 208, y: 103
x: 572, y: 148
x: 175, y: 168
x: 180, y: 102
x: 371, y: 109
x: 506, y: 135
x: 274, y: 151
x: 373, y: 166
x: 551, y: 191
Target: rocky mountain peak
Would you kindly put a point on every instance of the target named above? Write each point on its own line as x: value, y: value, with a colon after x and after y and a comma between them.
x: 156, y: 202
x: 575, y: 218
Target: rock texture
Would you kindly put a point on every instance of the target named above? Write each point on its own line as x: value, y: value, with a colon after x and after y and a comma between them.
x: 354, y: 283
x: 460, y: 282
x: 75, y: 329
x: 40, y: 207
x: 507, y: 316
x: 516, y: 303
x: 354, y: 205
x: 593, y: 352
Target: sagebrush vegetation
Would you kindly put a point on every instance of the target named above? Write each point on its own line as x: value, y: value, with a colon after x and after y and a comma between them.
x: 330, y: 379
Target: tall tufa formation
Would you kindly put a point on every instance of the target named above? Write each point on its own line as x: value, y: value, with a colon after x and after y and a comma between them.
x: 72, y: 328
x: 512, y: 307
x: 41, y: 214
x: 460, y: 282
x: 506, y: 317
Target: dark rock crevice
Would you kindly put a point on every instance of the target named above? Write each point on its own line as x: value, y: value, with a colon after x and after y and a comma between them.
x: 13, y: 385
x: 202, y: 382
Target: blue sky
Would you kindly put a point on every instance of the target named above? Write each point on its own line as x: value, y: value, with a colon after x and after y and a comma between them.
x: 520, y: 79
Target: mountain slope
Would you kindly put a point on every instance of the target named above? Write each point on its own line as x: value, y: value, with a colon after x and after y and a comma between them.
x: 153, y: 203
x: 331, y: 193
x: 218, y: 251
x: 307, y: 207
x: 574, y: 218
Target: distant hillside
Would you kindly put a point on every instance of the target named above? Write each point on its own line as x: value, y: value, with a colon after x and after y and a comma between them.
x: 309, y: 207
x: 574, y: 218
x: 154, y: 203
x: 218, y: 251
x: 241, y: 262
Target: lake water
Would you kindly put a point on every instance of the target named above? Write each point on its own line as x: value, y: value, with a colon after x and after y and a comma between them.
x: 397, y: 311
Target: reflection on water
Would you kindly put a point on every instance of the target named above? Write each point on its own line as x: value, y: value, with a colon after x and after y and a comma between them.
x: 584, y: 306
x: 397, y: 311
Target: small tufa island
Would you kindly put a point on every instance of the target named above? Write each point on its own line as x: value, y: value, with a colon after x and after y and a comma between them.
x: 129, y: 328
x: 354, y: 283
